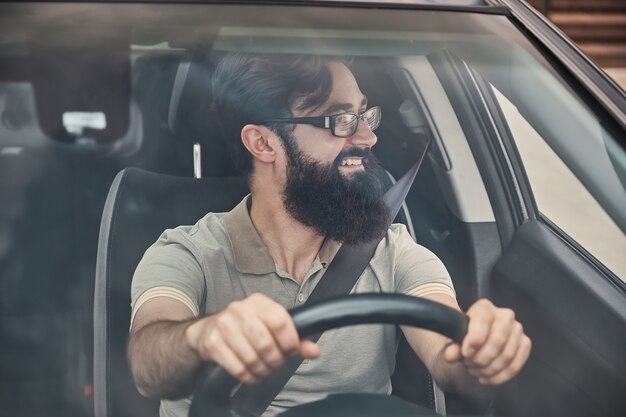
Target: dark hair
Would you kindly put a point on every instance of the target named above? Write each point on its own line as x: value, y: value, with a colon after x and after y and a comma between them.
x: 251, y: 88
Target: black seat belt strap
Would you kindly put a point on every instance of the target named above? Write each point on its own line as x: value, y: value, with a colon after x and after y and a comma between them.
x: 340, y: 277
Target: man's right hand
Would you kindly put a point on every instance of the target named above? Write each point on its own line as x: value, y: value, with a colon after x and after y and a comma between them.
x: 249, y: 338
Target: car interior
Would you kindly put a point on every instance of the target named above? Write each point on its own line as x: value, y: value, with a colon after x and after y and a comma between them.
x: 141, y: 204
x: 61, y: 167
x: 170, y: 112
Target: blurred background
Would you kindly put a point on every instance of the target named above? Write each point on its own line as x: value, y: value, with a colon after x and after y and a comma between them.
x: 597, y: 26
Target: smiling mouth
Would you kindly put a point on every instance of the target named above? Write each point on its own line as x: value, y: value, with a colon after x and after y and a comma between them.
x: 352, y: 161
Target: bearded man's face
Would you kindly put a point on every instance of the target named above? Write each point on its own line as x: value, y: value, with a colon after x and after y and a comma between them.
x: 346, y: 208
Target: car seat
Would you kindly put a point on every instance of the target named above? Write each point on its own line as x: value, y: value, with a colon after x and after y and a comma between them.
x: 140, y: 206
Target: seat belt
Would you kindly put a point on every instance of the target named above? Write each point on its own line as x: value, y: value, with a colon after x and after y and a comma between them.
x: 342, y: 274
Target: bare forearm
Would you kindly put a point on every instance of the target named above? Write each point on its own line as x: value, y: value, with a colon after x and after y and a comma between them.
x: 493, y: 351
x: 453, y: 377
x: 162, y: 362
x: 248, y: 338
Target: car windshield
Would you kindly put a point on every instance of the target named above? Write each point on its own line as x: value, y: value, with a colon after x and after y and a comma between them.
x: 87, y: 90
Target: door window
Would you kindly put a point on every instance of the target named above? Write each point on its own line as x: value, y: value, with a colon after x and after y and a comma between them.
x: 560, y: 195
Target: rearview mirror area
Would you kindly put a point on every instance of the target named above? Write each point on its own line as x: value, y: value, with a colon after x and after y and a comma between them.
x: 84, y: 94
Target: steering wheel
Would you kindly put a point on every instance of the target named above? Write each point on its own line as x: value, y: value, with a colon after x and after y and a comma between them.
x: 213, y: 395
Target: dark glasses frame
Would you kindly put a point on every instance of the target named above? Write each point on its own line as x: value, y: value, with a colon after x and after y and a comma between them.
x: 328, y: 122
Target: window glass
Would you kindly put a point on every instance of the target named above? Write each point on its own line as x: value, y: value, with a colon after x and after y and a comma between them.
x: 562, y: 198
x: 88, y: 89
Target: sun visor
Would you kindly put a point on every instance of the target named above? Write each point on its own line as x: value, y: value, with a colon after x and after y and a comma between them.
x: 82, y: 94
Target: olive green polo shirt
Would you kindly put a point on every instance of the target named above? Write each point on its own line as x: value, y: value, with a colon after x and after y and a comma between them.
x: 222, y: 258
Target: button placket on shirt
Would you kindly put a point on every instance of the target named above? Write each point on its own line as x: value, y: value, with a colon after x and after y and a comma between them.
x: 315, y: 268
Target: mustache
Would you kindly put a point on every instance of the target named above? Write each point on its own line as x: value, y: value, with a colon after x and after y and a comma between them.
x: 365, y: 153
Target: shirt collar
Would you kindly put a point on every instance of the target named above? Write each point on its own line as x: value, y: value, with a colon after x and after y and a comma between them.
x: 328, y: 251
x: 250, y: 253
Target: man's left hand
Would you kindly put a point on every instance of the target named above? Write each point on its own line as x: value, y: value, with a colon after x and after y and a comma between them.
x: 495, y: 347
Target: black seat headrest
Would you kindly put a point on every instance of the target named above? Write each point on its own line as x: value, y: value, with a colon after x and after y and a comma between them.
x: 192, y: 120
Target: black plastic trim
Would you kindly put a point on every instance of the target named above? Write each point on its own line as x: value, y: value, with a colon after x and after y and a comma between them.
x: 557, y: 270
x: 602, y: 269
x: 502, y: 147
x: 517, y: 165
x: 486, y: 9
x: 486, y: 249
x: 576, y: 321
x: 459, y: 86
x: 509, y: 148
x: 100, y: 312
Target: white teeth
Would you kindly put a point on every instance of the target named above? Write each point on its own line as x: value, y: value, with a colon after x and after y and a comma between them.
x: 350, y: 161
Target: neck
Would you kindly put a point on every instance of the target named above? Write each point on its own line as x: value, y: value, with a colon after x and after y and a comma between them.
x: 292, y: 245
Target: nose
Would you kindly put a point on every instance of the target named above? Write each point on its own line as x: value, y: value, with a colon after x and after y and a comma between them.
x: 364, y: 136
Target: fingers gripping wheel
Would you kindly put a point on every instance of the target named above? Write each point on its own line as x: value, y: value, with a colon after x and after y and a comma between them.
x: 213, y: 395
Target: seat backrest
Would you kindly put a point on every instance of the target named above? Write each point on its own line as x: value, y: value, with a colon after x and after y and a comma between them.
x: 139, y: 207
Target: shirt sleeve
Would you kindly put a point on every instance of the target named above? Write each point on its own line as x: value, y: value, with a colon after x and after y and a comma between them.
x: 418, y: 271
x: 169, y: 268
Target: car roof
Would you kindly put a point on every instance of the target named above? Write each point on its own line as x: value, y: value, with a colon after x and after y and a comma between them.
x: 405, y: 3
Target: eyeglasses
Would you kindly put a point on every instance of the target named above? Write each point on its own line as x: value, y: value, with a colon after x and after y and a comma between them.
x: 341, y: 125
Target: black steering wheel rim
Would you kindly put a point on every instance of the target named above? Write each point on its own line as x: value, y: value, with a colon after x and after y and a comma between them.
x: 213, y: 395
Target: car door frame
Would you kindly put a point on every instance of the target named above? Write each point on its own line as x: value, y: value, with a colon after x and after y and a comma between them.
x: 539, y: 264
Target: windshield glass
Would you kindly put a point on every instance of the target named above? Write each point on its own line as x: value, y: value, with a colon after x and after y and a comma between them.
x: 87, y: 90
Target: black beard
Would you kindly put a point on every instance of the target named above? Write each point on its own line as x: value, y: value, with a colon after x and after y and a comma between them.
x: 346, y: 209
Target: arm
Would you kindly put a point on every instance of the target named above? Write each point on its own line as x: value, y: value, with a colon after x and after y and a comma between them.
x: 162, y: 363
x: 168, y: 347
x: 494, y: 350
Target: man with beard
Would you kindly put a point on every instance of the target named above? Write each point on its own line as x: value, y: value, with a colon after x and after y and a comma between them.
x: 218, y: 291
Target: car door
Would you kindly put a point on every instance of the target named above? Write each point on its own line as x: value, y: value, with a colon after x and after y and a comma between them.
x: 564, y: 271
x: 553, y: 166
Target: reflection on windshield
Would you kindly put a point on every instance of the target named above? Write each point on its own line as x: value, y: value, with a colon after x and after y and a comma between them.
x: 87, y: 90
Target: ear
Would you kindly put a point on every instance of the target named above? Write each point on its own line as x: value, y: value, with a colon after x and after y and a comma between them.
x: 258, y: 140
